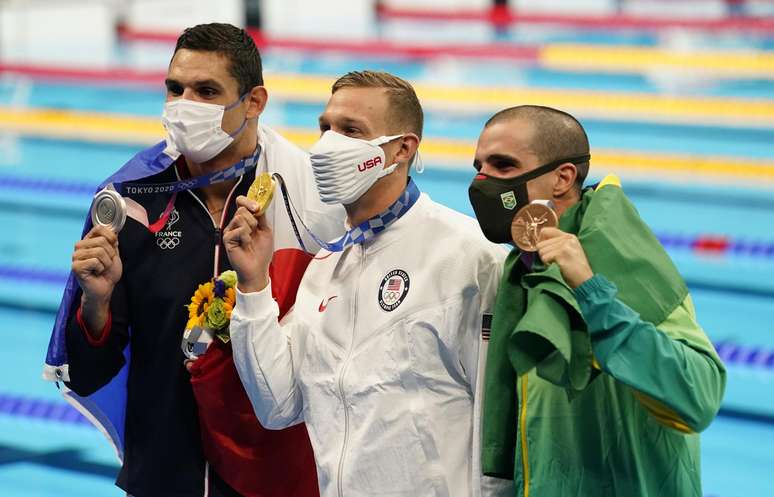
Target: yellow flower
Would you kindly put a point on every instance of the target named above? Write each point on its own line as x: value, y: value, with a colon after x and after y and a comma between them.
x: 208, y: 311
x: 200, y: 302
x: 229, y: 308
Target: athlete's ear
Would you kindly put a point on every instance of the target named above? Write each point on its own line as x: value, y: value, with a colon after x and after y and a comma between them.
x: 256, y: 99
x: 565, y: 179
x: 408, y: 147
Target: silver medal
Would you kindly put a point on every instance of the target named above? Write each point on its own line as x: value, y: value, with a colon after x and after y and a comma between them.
x: 108, y: 209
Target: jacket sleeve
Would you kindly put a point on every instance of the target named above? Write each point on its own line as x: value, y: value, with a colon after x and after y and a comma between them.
x: 93, y: 365
x: 673, y: 368
x: 264, y: 360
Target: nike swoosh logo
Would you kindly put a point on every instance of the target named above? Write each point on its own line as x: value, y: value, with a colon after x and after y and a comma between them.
x: 324, y: 303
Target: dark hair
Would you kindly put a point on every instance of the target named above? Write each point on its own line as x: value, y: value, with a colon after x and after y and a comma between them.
x: 557, y: 134
x: 244, y: 60
x: 405, y: 110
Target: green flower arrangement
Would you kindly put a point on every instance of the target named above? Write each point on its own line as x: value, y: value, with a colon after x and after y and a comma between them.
x: 212, y: 304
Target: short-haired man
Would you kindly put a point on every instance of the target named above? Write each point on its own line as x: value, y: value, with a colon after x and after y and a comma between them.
x: 176, y: 440
x: 598, y: 376
x: 380, y: 355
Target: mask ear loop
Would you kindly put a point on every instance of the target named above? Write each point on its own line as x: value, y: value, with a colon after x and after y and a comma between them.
x: 418, y: 164
x: 384, y: 139
x: 239, y: 101
x: 244, y: 121
x: 381, y: 141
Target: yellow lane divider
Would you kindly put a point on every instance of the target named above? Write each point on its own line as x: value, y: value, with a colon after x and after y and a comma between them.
x: 451, y: 154
x: 735, y: 63
x: 585, y: 104
x: 89, y: 126
x: 615, y: 106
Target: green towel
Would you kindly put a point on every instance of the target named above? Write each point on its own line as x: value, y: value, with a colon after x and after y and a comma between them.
x: 540, y: 312
x: 551, y: 334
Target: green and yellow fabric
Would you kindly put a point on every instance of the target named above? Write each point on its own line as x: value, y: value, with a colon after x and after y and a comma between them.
x: 599, y: 391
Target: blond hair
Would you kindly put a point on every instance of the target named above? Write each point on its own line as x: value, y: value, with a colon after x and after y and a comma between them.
x: 405, y: 112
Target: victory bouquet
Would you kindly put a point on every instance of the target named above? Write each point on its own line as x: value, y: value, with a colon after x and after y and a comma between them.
x: 209, y: 314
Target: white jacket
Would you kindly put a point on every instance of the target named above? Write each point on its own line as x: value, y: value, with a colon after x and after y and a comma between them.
x: 380, y: 357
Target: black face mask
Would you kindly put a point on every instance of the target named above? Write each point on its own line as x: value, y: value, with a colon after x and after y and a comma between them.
x: 496, y: 200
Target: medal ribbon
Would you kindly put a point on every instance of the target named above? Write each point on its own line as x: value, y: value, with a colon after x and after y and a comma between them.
x: 239, y: 169
x: 162, y: 221
x: 362, y: 232
x: 233, y: 172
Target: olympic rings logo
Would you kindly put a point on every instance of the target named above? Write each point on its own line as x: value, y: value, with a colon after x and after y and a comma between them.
x: 167, y: 243
x: 391, y: 296
x: 393, y: 289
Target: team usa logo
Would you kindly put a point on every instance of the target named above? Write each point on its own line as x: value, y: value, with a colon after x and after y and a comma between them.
x: 365, y: 165
x: 393, y: 290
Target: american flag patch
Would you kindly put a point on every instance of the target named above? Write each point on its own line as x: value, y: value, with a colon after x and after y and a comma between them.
x: 394, y: 284
x: 486, y: 326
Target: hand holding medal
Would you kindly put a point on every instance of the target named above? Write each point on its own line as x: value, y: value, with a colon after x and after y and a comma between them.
x: 248, y: 238
x: 96, y: 261
x: 564, y: 249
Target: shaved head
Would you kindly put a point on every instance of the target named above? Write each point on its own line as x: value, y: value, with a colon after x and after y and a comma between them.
x: 556, y: 134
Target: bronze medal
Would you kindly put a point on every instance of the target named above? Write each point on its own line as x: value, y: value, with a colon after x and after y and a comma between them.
x: 529, y: 222
x: 261, y: 192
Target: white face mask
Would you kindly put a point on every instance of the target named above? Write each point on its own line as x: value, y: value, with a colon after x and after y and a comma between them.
x: 345, y: 168
x: 194, y: 128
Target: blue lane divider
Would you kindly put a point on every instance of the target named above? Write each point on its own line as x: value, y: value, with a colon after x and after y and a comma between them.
x: 58, y: 411
x: 49, y: 410
x: 715, y: 244
x: 47, y: 185
x: 33, y: 274
x: 734, y: 354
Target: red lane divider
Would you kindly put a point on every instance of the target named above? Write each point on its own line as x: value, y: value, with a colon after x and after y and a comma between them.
x: 99, y: 75
x: 371, y: 48
x: 711, y: 244
x: 501, y: 16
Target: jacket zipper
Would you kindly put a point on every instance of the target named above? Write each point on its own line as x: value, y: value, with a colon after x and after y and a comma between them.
x: 523, y: 429
x: 341, y: 383
x: 218, y: 231
x: 218, y: 227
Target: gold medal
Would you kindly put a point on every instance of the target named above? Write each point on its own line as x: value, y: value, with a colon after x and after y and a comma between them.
x: 529, y: 222
x: 261, y: 192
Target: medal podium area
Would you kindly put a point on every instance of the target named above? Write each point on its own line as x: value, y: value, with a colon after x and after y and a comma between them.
x: 680, y: 106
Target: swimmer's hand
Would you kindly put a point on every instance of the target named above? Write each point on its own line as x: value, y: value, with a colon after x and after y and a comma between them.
x: 249, y: 243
